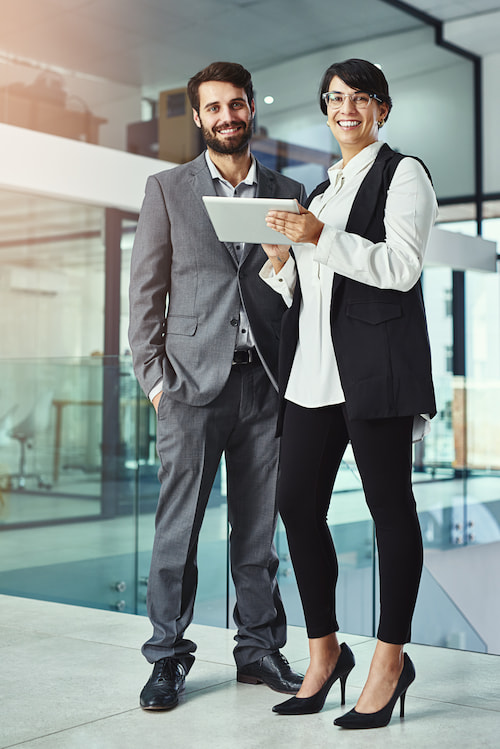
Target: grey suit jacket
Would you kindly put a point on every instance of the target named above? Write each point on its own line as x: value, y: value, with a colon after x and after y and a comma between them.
x: 178, y: 262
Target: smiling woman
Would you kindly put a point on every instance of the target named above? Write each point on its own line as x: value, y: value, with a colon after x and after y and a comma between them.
x: 354, y: 367
x: 355, y: 98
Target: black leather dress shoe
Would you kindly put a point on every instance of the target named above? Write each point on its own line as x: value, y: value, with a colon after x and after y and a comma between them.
x: 162, y: 690
x: 272, y: 670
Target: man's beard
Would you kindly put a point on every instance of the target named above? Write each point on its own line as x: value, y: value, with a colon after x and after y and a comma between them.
x: 236, y: 144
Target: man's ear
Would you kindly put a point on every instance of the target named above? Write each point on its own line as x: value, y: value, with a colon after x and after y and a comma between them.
x: 196, y: 118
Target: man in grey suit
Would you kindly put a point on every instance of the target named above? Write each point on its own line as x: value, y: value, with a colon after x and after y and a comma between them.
x: 209, y: 365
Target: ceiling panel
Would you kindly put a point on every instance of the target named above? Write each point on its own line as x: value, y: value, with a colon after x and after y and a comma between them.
x: 448, y: 9
x: 149, y: 44
x: 170, y: 40
x: 486, y: 27
x: 471, y: 24
x: 155, y: 37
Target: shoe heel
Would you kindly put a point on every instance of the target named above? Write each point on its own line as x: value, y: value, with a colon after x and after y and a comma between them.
x: 402, y: 705
x: 248, y: 679
x: 343, y: 681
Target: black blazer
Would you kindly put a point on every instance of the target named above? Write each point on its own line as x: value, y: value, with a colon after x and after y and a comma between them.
x: 379, y: 335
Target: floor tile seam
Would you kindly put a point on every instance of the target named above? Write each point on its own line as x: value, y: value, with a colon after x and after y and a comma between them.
x: 211, y: 662
x: 454, y: 703
x: 73, y: 638
x: 412, y: 696
x: 216, y: 662
x: 208, y: 687
x: 62, y: 731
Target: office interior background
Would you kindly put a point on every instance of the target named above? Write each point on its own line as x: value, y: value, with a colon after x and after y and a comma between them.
x: 92, y: 101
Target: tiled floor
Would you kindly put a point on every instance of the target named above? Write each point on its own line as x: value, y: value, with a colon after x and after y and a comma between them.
x: 70, y: 679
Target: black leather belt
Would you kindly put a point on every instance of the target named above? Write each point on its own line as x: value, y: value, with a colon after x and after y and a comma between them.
x: 246, y: 356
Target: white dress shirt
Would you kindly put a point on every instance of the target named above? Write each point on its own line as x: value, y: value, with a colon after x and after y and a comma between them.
x: 396, y: 263
x: 245, y: 189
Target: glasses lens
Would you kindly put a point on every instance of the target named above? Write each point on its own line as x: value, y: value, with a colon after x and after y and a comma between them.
x: 336, y: 100
x: 360, y: 101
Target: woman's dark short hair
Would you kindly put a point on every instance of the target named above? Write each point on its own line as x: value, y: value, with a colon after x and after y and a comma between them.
x: 227, y: 72
x: 359, y: 74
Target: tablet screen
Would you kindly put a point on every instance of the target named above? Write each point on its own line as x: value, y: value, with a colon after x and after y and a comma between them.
x: 244, y: 219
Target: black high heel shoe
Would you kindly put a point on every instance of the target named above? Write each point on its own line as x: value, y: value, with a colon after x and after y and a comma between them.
x: 313, y: 704
x: 381, y: 718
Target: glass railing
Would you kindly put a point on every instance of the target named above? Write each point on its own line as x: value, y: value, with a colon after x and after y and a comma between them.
x: 78, y: 490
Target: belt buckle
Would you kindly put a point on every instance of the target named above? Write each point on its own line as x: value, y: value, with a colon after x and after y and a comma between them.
x: 243, y: 356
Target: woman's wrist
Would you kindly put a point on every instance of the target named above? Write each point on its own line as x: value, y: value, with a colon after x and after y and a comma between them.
x: 318, y: 233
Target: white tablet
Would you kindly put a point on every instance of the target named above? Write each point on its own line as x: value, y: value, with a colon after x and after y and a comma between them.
x: 244, y: 219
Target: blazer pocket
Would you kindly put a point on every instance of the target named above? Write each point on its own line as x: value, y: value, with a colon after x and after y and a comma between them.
x: 181, y: 324
x: 373, y: 313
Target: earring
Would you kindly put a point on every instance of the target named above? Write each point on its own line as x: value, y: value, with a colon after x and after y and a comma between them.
x: 380, y: 123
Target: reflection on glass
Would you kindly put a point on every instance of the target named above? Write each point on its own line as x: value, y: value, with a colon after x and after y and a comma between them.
x: 84, y: 534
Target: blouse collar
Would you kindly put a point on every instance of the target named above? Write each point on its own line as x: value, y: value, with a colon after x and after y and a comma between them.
x: 356, y: 164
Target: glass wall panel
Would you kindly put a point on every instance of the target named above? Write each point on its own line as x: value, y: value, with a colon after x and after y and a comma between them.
x: 78, y: 498
x: 51, y: 277
x: 68, y: 522
x: 457, y: 478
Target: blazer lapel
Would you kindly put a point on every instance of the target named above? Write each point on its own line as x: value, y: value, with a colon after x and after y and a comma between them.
x: 266, y: 188
x: 266, y: 184
x: 365, y: 202
x: 203, y: 184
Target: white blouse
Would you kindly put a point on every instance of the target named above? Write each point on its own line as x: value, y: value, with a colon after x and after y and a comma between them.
x: 396, y: 263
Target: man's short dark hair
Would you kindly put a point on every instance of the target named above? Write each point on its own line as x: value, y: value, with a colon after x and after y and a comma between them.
x: 227, y: 72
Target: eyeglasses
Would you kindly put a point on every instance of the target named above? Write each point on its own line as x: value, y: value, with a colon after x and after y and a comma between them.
x: 360, y: 99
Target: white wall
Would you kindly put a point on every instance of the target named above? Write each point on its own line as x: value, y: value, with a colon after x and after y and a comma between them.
x: 72, y: 170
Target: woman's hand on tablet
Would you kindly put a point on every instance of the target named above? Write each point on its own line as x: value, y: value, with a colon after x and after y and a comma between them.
x: 297, y: 227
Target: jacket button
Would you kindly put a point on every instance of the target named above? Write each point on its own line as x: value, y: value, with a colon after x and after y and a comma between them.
x: 234, y: 322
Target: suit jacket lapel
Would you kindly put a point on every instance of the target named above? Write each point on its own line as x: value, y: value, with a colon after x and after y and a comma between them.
x: 266, y: 188
x: 266, y: 184
x: 203, y: 184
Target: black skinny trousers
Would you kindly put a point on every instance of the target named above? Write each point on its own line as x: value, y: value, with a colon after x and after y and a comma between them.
x: 312, y: 446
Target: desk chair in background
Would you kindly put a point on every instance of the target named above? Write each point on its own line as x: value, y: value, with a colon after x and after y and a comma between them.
x: 6, y: 423
x: 25, y: 432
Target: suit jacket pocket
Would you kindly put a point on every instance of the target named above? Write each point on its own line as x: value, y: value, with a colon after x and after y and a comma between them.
x: 181, y: 325
x: 373, y: 313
